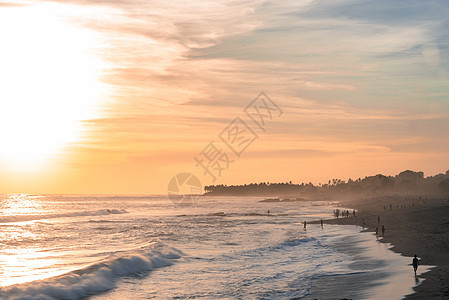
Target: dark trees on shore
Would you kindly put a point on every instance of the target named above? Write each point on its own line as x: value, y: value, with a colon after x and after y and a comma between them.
x: 408, y: 182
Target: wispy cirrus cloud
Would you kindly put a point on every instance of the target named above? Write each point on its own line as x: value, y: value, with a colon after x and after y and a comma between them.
x: 366, y: 80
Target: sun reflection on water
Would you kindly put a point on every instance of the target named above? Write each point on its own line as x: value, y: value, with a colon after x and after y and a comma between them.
x: 17, y: 264
x: 21, y: 257
x: 20, y: 204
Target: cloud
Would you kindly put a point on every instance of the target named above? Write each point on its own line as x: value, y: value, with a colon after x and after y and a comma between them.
x: 11, y: 3
x: 355, y: 77
x: 431, y: 55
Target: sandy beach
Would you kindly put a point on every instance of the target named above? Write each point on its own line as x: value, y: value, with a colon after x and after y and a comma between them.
x: 413, y: 225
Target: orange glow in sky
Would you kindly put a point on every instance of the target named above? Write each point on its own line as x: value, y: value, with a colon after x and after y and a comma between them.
x: 119, y: 97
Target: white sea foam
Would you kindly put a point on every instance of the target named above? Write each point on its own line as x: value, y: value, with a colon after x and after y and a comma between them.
x: 22, y: 218
x: 235, y: 251
x: 94, y: 278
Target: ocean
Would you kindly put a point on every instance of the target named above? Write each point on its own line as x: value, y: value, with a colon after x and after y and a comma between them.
x: 147, y: 247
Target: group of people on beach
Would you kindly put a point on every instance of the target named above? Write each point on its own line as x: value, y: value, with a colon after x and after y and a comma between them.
x: 344, y: 213
x: 390, y: 206
x: 383, y: 231
x: 415, y: 261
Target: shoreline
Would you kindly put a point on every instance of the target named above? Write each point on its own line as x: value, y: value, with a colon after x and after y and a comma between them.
x: 374, y: 272
x: 412, y: 226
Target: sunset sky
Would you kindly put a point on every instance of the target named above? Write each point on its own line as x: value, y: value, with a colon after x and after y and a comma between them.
x: 120, y: 96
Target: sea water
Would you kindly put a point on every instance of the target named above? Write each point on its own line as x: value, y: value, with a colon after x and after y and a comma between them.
x: 145, y: 247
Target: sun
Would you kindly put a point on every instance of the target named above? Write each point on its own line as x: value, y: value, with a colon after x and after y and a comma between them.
x: 49, y: 82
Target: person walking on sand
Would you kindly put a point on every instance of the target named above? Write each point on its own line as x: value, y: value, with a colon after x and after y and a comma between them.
x: 305, y: 224
x: 322, y: 223
x: 383, y: 230
x: 415, y: 263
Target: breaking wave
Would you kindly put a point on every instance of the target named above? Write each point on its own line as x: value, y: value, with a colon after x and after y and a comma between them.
x: 22, y: 218
x: 95, y: 278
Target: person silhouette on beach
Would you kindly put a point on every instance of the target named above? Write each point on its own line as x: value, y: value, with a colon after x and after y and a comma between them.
x: 383, y: 230
x: 322, y: 223
x: 305, y: 224
x: 415, y: 263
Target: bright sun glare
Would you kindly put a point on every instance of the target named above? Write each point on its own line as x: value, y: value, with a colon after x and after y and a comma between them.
x: 49, y: 82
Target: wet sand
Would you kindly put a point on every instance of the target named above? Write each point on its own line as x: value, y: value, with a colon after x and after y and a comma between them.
x: 412, y: 226
x: 374, y: 273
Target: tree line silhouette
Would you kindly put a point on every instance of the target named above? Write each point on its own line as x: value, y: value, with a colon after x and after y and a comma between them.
x: 405, y: 182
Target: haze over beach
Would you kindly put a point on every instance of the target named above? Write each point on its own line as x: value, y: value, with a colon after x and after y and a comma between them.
x: 213, y: 142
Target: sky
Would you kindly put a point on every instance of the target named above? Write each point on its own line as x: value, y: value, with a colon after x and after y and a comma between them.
x: 121, y: 96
